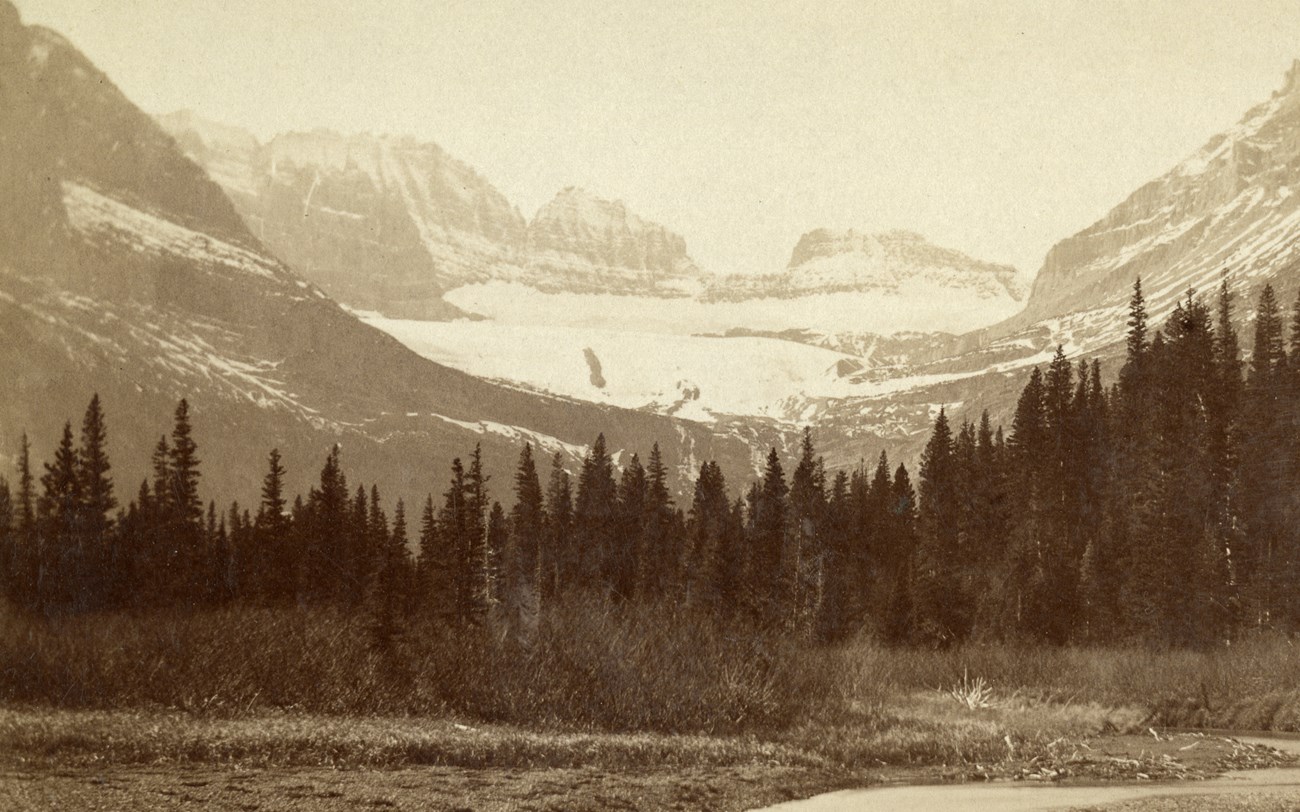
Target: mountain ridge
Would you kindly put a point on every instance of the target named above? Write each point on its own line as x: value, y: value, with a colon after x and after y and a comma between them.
x: 136, y: 278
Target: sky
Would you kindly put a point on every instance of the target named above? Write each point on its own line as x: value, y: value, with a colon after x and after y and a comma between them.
x: 996, y: 128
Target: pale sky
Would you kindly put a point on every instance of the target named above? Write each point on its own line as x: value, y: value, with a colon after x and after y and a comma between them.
x: 993, y: 127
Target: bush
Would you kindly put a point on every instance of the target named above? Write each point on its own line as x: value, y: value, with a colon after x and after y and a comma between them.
x: 592, y: 666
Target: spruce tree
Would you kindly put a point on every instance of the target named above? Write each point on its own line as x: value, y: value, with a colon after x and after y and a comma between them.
x: 941, y: 607
x: 769, y: 517
x: 557, y: 559
x: 61, y: 551
x: 97, y: 506
x: 804, y: 560
x: 477, y: 503
x: 273, y: 558
x: 897, y: 624
x: 595, y: 519
x: 27, y: 538
x: 453, y: 530
x: 659, y: 550
x: 624, y: 570
x: 497, y: 539
x: 527, y: 527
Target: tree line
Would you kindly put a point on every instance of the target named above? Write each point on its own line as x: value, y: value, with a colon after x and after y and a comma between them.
x: 1162, y: 508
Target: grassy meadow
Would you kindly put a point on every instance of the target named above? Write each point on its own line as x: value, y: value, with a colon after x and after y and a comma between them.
x: 602, y: 688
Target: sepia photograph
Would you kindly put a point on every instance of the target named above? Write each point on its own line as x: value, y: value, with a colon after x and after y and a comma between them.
x: 507, y: 406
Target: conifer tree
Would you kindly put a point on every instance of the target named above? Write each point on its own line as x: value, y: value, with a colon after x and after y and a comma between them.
x: 803, y: 559
x: 498, y: 536
x: 769, y: 518
x: 941, y: 609
x: 453, y: 530
x: 431, y: 563
x: 898, y: 621
x: 595, y: 519
x: 387, y: 594
x: 624, y: 571
x: 97, y: 504
x: 185, y: 525
x: 557, y: 558
x: 527, y: 528
x: 1266, y: 467
x: 477, y: 503
x: 27, y: 539
x: 60, y: 550
x: 710, y: 569
x: 659, y: 554
x: 273, y: 560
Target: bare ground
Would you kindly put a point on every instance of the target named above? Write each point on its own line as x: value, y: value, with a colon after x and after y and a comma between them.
x: 424, y: 788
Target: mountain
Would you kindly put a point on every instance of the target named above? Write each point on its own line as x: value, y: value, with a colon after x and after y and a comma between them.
x: 390, y: 224
x: 1230, y: 207
x: 125, y: 270
x: 1228, y: 211
x: 380, y: 223
x: 581, y: 244
x: 902, y: 272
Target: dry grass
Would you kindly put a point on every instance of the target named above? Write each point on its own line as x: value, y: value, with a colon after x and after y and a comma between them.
x: 590, y: 668
x: 599, y: 688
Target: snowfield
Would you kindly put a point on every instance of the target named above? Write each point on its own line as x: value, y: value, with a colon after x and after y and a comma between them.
x: 693, y: 377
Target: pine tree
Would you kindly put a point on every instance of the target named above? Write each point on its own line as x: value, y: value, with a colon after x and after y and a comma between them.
x: 1266, y: 467
x: 330, y: 568
x: 527, y: 528
x: 1136, y: 341
x: 557, y: 559
x: 595, y: 521
x: 624, y: 570
x: 453, y: 530
x: 97, y: 504
x: 186, y: 510
x: 941, y: 609
x: 432, y: 565
x: 477, y: 503
x: 659, y: 553
x: 711, y: 569
x: 388, y: 591
x: 60, y: 507
x: 27, y: 538
x: 274, y: 562
x: 769, y: 518
x: 837, y: 616
x: 803, y: 559
x: 898, y: 621
x: 498, y: 536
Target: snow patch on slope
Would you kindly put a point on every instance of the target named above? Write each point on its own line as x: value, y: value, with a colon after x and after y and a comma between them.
x: 95, y: 214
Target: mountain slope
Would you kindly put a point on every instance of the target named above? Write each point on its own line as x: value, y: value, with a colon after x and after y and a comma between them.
x: 137, y: 278
x: 1228, y: 211
x: 1232, y: 206
x: 390, y: 224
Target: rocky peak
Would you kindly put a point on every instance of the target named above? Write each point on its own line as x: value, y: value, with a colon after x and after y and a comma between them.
x: 824, y: 242
x: 587, y: 241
